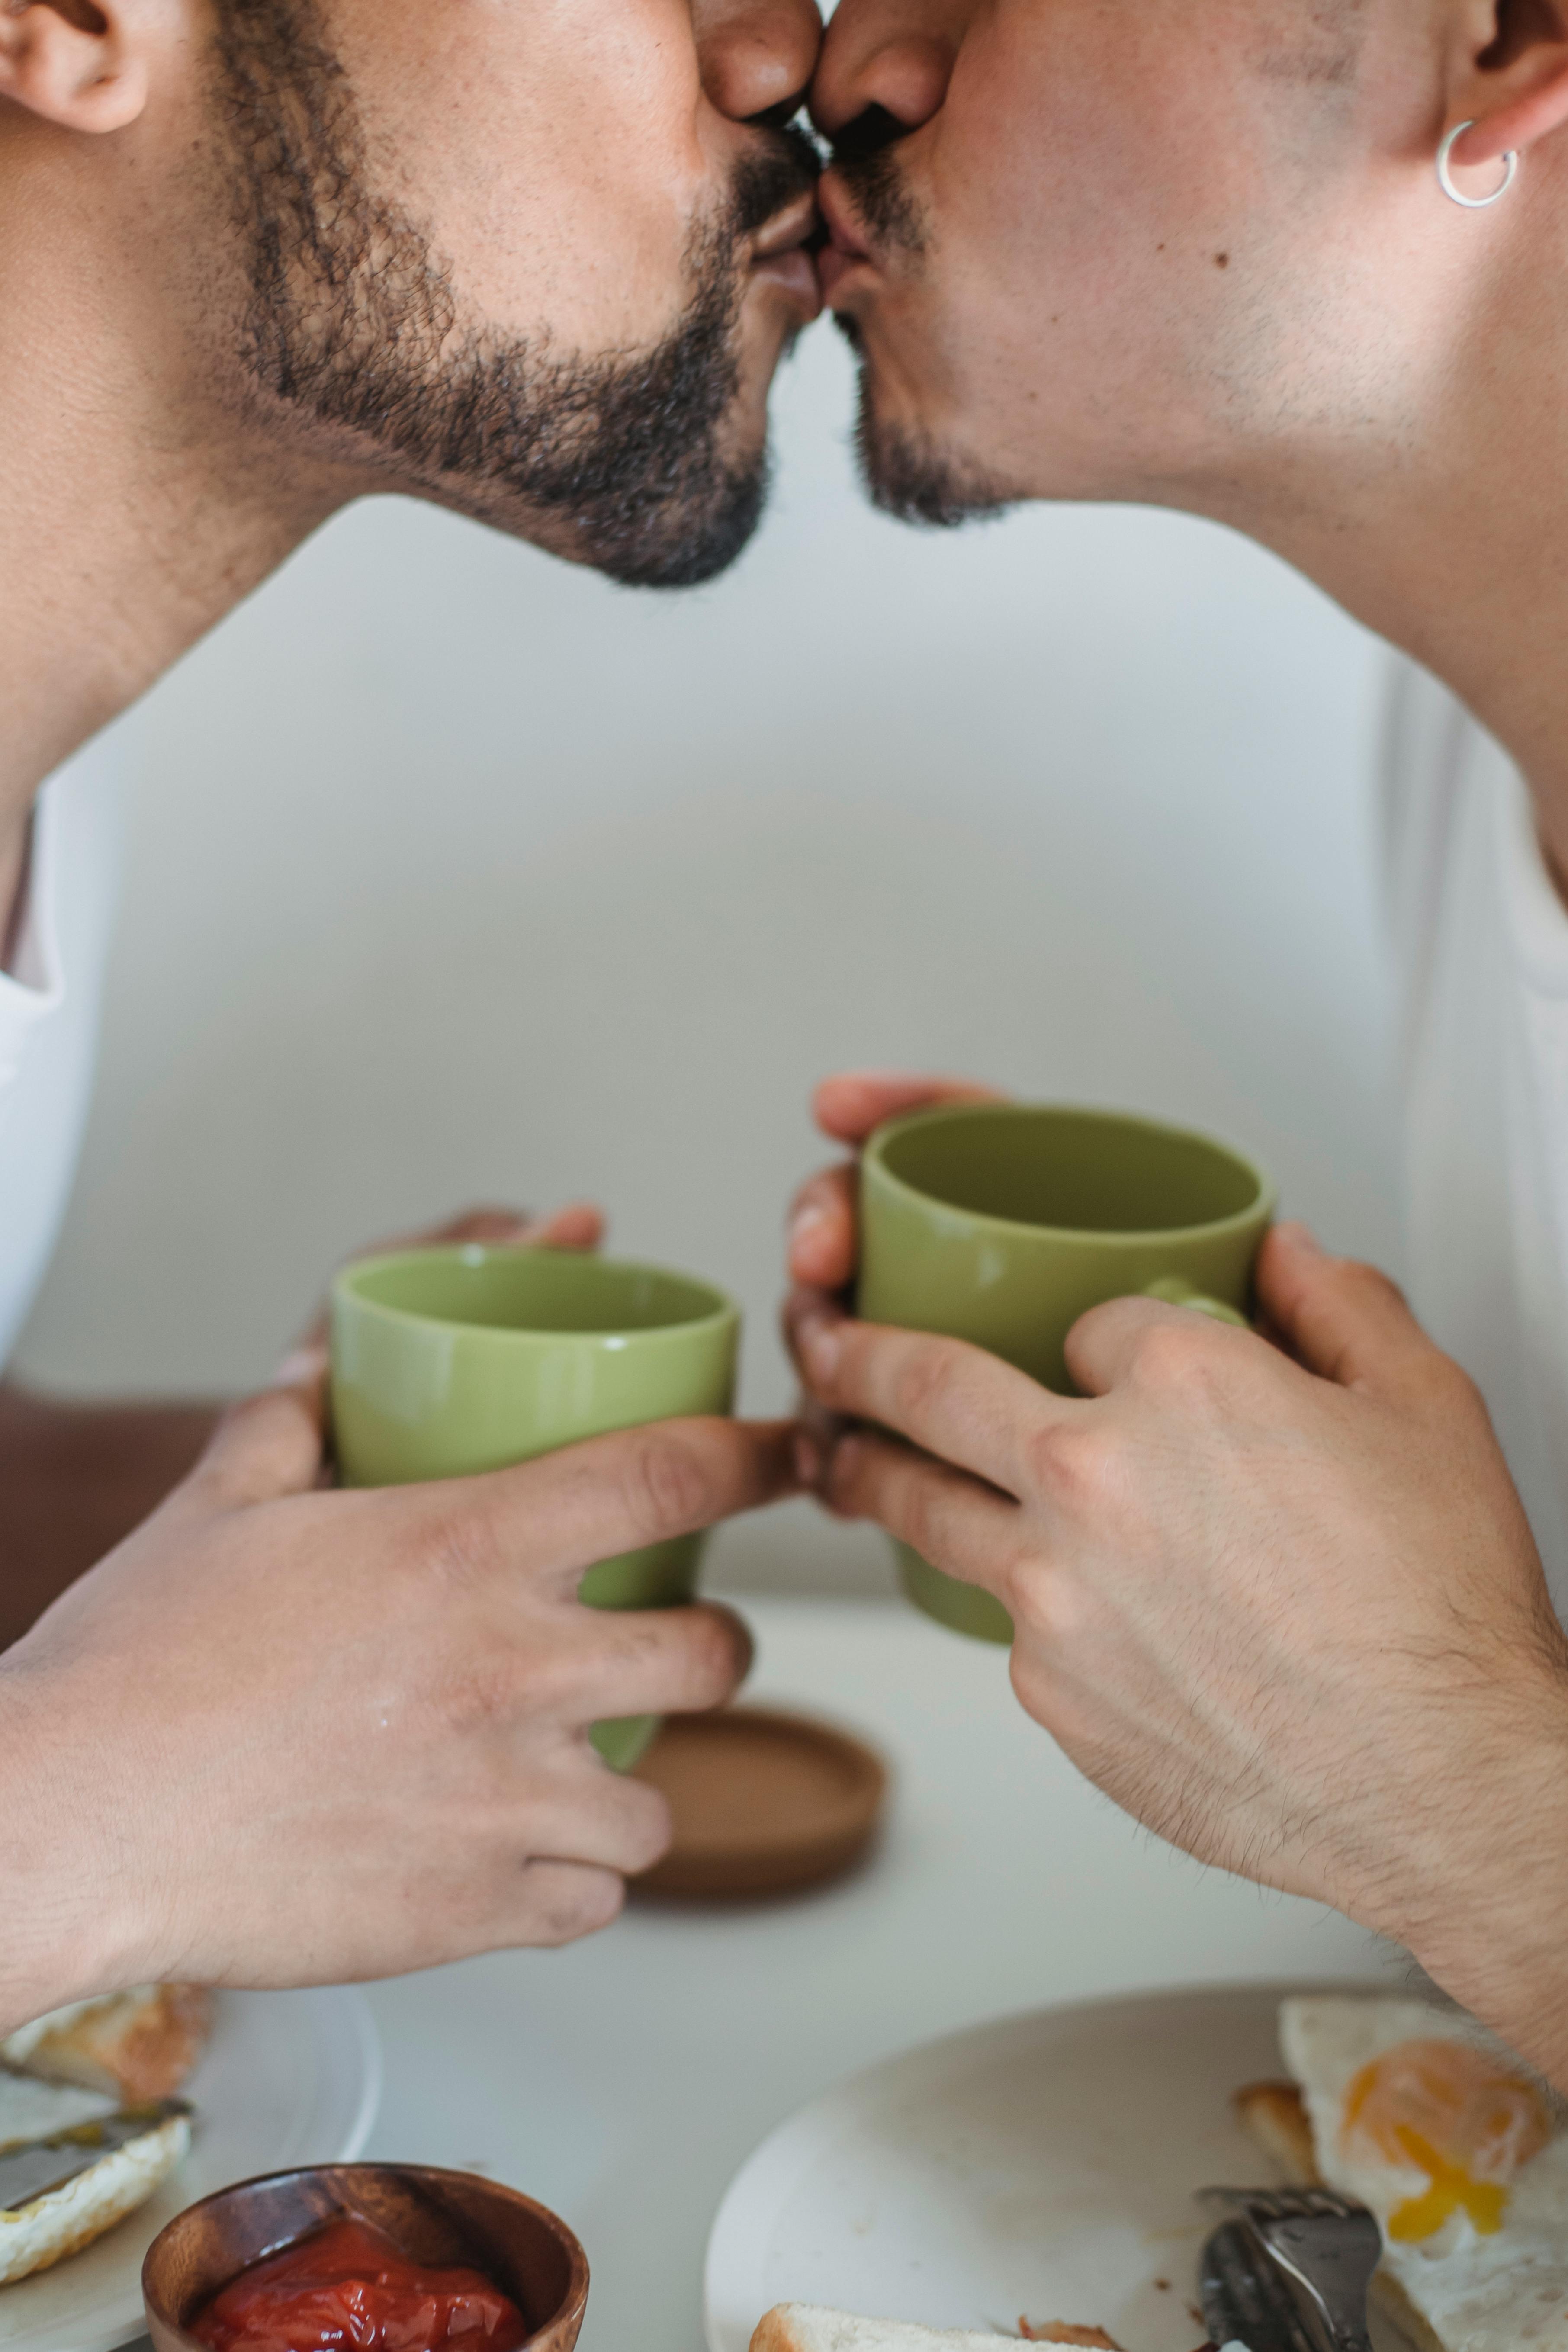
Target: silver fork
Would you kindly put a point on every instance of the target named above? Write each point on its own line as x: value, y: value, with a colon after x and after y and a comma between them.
x: 1327, y: 2245
x: 1245, y: 2299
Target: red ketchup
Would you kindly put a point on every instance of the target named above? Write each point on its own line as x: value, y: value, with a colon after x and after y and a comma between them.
x: 346, y: 2288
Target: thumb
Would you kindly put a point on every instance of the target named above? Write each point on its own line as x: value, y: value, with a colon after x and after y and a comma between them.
x: 851, y: 1106
x: 273, y: 1443
x: 1346, y: 1322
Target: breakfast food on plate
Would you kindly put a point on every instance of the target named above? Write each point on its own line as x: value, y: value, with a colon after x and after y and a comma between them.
x: 47, y: 2228
x: 68, y: 2070
x: 1457, y: 2148
x: 133, y: 2045
x: 809, y: 2327
x: 1276, y: 2115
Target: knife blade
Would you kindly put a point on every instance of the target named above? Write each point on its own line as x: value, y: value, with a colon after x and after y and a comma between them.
x: 1244, y: 2299
x: 29, y: 2169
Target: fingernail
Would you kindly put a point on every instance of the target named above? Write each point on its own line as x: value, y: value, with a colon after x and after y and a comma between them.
x: 1301, y: 1237
x: 299, y: 1366
x: 819, y: 1346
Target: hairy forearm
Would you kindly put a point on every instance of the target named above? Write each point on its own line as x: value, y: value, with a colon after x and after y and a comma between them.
x: 74, y: 1480
x: 1484, y: 1910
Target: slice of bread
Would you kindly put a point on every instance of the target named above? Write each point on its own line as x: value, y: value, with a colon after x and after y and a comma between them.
x: 37, y: 2235
x: 1276, y: 2115
x: 132, y: 2046
x: 809, y: 2327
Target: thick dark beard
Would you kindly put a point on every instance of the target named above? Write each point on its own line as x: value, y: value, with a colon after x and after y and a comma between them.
x: 352, y: 321
x: 906, y: 474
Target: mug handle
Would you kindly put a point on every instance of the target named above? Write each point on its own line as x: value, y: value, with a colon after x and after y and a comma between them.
x: 1175, y: 1290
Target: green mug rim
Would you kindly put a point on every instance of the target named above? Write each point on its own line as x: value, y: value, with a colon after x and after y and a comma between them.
x: 1263, y: 1206
x: 725, y: 1309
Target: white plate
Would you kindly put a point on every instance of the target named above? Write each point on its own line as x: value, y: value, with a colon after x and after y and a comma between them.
x: 1044, y: 2166
x: 288, y: 2078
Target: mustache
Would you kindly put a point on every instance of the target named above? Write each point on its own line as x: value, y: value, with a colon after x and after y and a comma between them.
x: 772, y: 176
x: 866, y: 160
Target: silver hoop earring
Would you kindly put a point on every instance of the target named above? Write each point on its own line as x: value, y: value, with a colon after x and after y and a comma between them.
x: 1446, y: 176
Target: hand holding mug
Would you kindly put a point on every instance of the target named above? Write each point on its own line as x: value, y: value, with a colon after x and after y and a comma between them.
x: 1280, y: 1602
x: 330, y: 1734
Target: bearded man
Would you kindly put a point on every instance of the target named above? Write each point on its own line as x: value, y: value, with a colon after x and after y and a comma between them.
x: 260, y: 258
x: 1296, y: 266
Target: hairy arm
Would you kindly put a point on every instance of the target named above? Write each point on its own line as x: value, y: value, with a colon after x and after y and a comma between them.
x: 74, y: 1480
x: 1280, y: 1602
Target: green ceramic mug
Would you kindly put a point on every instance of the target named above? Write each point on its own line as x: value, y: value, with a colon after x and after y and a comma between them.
x: 464, y: 1358
x: 1003, y: 1223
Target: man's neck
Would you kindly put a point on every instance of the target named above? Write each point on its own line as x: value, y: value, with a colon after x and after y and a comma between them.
x: 134, y: 512
x: 1452, y: 543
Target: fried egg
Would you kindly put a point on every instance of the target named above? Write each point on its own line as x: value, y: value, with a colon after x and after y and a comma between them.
x: 1457, y: 2148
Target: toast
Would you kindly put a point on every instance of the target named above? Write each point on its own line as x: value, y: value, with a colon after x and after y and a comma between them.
x: 809, y: 2327
x: 34, y: 2236
x: 135, y: 2045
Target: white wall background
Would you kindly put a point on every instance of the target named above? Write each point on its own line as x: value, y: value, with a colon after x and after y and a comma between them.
x: 460, y: 875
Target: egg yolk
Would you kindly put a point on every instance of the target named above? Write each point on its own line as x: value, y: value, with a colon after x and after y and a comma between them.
x: 1454, y: 2114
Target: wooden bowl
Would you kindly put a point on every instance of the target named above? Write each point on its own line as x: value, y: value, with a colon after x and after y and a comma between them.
x: 435, y: 2217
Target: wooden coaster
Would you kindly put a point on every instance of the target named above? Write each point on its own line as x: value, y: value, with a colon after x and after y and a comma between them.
x: 764, y: 1803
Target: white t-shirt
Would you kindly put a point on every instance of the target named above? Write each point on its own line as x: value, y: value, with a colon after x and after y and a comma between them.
x: 1481, y: 938
x: 49, y: 1003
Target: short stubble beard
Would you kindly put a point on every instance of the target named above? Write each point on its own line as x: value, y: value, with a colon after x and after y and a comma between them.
x: 907, y: 473
x: 352, y: 321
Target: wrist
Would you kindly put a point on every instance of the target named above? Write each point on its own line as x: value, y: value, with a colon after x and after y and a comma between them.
x: 1481, y: 1897
x: 67, y: 1929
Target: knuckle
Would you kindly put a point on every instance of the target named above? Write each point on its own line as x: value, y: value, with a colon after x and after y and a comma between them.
x: 1040, y: 1600
x: 923, y: 1517
x: 1444, y: 1388
x: 571, y: 1900
x: 472, y: 1697
x: 1175, y: 1352
x: 457, y: 1549
x: 923, y: 1380
x: 1076, y: 1464
x: 718, y: 1650
x: 668, y: 1487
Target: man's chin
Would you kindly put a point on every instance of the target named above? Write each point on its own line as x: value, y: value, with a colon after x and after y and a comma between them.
x: 909, y: 472
x: 689, y: 536
x: 687, y: 543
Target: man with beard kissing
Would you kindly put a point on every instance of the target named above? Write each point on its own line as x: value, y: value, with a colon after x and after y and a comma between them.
x: 257, y: 259
x: 1296, y: 266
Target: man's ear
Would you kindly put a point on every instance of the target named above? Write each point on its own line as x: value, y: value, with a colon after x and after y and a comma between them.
x: 78, y: 63
x: 1509, y: 76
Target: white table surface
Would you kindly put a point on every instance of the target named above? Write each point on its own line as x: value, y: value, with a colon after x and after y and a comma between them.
x: 624, y: 2080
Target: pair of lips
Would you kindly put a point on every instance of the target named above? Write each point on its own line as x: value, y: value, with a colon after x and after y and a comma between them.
x: 814, y: 239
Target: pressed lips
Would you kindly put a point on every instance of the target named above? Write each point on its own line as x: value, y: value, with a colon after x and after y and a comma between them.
x: 782, y: 251
x: 847, y: 244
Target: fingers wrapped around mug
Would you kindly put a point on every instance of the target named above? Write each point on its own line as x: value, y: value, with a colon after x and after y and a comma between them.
x: 822, y: 1223
x: 953, y: 1400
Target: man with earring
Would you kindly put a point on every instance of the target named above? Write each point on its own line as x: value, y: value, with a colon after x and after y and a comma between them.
x: 1300, y: 270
